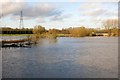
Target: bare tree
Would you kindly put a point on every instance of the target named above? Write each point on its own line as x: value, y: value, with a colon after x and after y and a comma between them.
x: 110, y: 24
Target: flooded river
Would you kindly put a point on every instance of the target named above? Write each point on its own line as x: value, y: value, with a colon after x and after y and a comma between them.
x: 64, y: 57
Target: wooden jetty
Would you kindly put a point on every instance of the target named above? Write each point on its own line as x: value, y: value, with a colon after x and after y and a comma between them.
x: 16, y: 43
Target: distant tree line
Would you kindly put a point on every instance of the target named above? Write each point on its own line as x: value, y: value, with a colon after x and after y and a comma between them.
x: 7, y: 30
x: 110, y: 26
x: 82, y: 31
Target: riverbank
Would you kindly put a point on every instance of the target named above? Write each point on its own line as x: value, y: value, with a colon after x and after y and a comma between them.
x: 58, y: 35
x: 15, y: 34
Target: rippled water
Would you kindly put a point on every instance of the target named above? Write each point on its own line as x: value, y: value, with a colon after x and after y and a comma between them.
x: 89, y: 57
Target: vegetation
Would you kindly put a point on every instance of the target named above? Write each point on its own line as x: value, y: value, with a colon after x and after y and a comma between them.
x: 110, y: 27
x: 7, y: 30
x: 41, y: 32
x: 15, y: 34
x: 80, y: 31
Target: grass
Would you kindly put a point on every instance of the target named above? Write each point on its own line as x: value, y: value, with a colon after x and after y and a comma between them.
x: 58, y: 35
x: 63, y: 35
x: 15, y: 34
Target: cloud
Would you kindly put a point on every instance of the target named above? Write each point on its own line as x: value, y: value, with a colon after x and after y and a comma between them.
x: 90, y: 5
x: 6, y: 1
x: 72, y: 0
x: 60, y: 17
x: 95, y: 10
x: 91, y: 9
x: 41, y: 20
x: 53, y: 18
x: 95, y: 13
x: 102, y: 1
x: 30, y: 10
x: 9, y: 7
x: 38, y: 11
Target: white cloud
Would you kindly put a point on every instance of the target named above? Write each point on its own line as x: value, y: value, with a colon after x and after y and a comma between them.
x: 40, y: 11
x: 41, y: 20
x: 53, y: 18
x: 101, y: 10
x: 91, y: 9
x: 72, y: 0
x: 6, y: 1
x: 101, y: 0
x: 31, y: 11
x: 8, y: 7
x: 60, y: 17
x: 90, y: 5
x: 95, y: 13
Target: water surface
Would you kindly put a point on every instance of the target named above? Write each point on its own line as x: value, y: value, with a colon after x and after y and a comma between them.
x: 89, y: 57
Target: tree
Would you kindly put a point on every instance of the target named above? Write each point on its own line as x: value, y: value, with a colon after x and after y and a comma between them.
x: 78, y: 31
x: 110, y: 24
x: 38, y: 29
x: 52, y: 33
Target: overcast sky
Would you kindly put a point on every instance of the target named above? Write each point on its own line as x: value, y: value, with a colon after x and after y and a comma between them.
x: 58, y: 13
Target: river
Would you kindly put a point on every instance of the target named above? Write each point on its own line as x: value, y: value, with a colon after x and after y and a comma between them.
x: 64, y: 57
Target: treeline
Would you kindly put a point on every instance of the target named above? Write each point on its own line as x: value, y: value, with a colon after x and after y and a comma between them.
x: 67, y: 32
x: 109, y: 27
x: 75, y: 32
x: 7, y: 30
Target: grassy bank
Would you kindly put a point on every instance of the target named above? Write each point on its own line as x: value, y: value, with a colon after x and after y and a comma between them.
x: 15, y: 34
x: 44, y: 35
x: 63, y: 35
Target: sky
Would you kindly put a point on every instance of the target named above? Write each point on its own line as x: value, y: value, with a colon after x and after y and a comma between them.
x: 57, y: 13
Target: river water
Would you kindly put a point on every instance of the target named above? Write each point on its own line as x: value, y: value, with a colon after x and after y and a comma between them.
x: 64, y: 57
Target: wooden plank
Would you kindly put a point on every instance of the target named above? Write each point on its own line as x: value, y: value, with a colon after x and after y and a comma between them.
x: 15, y: 41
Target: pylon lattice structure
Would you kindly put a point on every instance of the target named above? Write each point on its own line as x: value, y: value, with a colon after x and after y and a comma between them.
x: 21, y: 21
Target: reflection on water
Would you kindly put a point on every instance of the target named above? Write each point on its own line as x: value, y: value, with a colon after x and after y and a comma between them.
x: 63, y: 58
x: 47, y: 42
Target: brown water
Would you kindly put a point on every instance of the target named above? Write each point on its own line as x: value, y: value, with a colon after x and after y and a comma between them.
x: 89, y: 57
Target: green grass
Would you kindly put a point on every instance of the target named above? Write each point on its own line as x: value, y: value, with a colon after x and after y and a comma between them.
x: 63, y: 35
x: 15, y: 34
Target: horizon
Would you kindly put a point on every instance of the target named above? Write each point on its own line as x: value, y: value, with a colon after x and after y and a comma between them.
x: 58, y: 15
